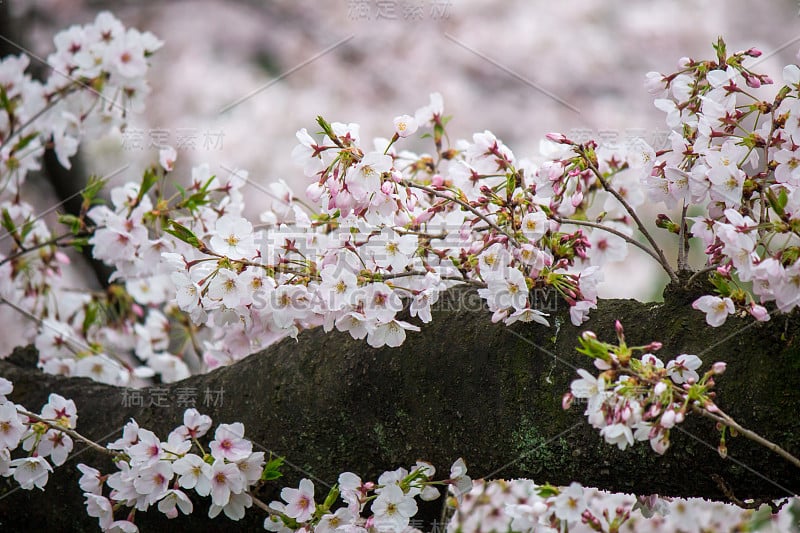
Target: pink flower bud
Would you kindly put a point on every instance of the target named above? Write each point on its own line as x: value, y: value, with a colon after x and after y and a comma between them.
x: 314, y: 192
x: 558, y: 138
x: 753, y: 82
x: 759, y: 312
x: 437, y: 180
x: 423, y: 217
x: 660, y: 388
x: 566, y: 401
x: 719, y: 367
x: 668, y: 419
x: 62, y: 258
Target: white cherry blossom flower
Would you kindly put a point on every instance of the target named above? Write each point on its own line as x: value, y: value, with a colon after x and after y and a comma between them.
x: 300, y: 501
x: 683, y: 368
x: 31, y: 472
x: 716, y: 309
x: 393, y: 509
x: 233, y: 237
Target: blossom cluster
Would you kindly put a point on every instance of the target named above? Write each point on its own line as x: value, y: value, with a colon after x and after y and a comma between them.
x: 735, y: 156
x: 391, y: 499
x: 152, y: 472
x: 640, y: 398
x: 40, y: 436
x: 383, y: 230
x: 155, y: 472
x: 523, y: 506
x: 97, y: 78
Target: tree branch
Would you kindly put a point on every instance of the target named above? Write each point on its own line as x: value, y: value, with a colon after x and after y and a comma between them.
x: 463, y: 387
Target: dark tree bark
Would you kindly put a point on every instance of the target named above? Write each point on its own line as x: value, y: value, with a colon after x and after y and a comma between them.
x: 463, y: 387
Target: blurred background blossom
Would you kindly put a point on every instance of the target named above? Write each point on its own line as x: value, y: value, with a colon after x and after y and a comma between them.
x: 235, y: 80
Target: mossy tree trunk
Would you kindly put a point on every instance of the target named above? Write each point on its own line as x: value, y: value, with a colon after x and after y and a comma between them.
x: 463, y: 387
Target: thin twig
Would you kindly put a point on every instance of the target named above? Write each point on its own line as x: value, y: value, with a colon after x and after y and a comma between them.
x: 465, y: 205
x: 755, y: 504
x: 618, y: 233
x: 662, y: 259
x: 263, y: 506
x: 683, y: 241
x: 52, y: 242
x: 701, y: 272
x: 726, y: 420
x: 74, y: 434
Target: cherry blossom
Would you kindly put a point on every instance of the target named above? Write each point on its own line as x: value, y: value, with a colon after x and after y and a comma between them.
x: 31, y: 471
x: 683, y: 369
x: 716, y: 309
x: 233, y: 237
x: 393, y: 508
x: 300, y: 501
x: 228, y: 443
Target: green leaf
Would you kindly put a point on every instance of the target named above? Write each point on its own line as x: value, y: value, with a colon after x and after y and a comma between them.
x: 547, y: 490
x: 593, y: 348
x: 331, y: 498
x: 783, y: 198
x: 511, y: 182
x: 92, y: 189
x: 27, y: 227
x: 775, y: 203
x: 25, y: 141
x: 719, y: 46
x: 8, y: 224
x: 79, y: 242
x: 204, y: 188
x: 183, y: 233
x: 194, y: 201
x: 4, y: 101
x: 148, y: 180
x: 272, y: 469
x: 90, y: 316
x: 72, y: 221
x: 723, y: 287
x: 438, y: 131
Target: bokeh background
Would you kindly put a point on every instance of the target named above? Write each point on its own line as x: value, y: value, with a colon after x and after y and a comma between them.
x: 518, y: 68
